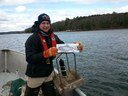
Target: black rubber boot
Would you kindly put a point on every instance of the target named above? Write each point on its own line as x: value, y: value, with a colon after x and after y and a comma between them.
x: 48, y: 89
x: 31, y: 91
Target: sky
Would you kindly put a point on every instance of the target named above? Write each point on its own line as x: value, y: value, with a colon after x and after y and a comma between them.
x: 17, y: 15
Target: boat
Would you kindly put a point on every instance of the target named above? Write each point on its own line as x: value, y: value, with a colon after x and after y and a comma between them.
x: 13, y: 67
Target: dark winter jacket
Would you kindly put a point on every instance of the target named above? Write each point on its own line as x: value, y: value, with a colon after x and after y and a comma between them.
x: 37, y: 66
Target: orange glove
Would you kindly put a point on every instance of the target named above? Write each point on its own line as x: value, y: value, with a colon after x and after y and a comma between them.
x: 50, y: 52
x: 80, y: 46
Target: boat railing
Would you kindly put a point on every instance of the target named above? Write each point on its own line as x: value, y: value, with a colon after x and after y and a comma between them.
x: 12, y: 61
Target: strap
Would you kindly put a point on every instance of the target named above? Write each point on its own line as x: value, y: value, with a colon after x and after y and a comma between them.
x: 44, y: 43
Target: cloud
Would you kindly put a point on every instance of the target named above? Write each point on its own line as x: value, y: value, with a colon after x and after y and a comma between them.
x: 15, y: 22
x: 115, y: 1
x: 14, y: 26
x: 83, y: 1
x: 58, y: 15
x: 20, y: 8
x: 122, y: 9
x: 20, y: 20
x: 97, y: 1
x: 71, y: 1
x: 15, y: 2
x: 3, y: 17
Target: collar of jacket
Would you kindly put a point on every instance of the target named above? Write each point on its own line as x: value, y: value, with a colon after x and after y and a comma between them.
x: 45, y: 34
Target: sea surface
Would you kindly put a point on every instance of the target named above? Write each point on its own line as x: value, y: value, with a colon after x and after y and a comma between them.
x: 103, y: 63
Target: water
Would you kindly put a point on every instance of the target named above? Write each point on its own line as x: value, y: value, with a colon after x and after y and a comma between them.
x: 103, y: 63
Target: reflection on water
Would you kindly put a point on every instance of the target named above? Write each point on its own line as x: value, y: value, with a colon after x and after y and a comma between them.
x: 104, y: 62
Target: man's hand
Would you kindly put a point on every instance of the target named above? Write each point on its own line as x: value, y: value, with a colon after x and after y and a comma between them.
x: 80, y: 46
x: 50, y: 52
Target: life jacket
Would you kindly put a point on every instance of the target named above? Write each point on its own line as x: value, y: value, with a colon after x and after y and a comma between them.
x: 44, y: 43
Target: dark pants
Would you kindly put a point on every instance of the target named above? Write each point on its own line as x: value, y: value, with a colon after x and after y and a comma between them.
x: 47, y: 89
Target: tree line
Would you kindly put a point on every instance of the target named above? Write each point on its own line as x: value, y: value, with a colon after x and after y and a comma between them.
x: 93, y: 22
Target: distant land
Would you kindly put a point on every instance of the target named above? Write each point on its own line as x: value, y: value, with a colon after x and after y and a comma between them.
x: 93, y: 22
x: 87, y: 23
x: 12, y: 32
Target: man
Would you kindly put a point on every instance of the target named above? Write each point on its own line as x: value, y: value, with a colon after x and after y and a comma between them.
x: 40, y: 49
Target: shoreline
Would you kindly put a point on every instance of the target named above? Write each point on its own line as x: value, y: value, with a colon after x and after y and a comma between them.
x: 23, y: 32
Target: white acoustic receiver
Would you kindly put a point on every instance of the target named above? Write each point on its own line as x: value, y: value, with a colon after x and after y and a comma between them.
x: 68, y: 47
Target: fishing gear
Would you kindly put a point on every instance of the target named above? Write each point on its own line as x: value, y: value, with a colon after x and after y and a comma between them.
x: 67, y: 78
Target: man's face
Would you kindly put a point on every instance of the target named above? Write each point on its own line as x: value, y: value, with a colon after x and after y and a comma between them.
x: 45, y: 26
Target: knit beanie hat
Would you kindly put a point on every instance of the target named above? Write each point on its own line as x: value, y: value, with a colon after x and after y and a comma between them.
x: 43, y: 17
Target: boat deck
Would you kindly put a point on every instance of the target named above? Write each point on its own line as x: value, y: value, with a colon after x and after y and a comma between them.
x: 4, y: 86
